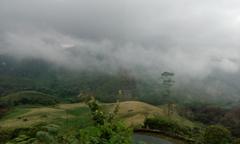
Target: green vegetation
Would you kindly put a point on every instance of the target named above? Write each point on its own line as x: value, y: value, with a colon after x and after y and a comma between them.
x: 214, y: 134
x: 15, y: 112
x: 27, y: 98
x: 237, y: 141
x: 73, y: 85
x: 174, y: 128
x: 76, y: 122
x: 31, y: 91
x: 217, y: 135
x: 209, y: 114
x: 66, y: 123
x: 81, y: 118
x: 107, y: 129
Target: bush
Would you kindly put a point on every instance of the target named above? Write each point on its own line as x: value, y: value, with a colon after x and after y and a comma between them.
x: 167, y: 125
x: 237, y: 141
x: 22, y: 139
x: 28, y: 98
x: 217, y: 135
x: 5, y: 135
x: 107, y: 129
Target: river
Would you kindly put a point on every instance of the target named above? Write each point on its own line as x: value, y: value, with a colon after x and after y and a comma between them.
x: 148, y: 139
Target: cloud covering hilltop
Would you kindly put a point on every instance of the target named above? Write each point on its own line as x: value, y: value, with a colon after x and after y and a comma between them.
x: 187, y: 37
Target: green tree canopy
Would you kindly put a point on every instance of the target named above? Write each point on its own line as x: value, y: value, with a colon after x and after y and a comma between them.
x: 217, y: 135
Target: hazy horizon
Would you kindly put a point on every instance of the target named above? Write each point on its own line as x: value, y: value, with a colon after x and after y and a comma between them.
x: 192, y: 38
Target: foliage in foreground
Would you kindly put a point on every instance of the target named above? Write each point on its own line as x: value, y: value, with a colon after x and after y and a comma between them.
x: 107, y: 129
x: 214, y: 134
x: 173, y: 127
x: 237, y: 141
x: 217, y: 135
x: 27, y: 98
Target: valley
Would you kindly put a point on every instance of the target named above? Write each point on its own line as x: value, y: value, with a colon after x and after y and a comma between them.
x: 71, y: 117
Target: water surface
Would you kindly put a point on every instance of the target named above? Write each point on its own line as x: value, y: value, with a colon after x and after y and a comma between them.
x: 148, y: 139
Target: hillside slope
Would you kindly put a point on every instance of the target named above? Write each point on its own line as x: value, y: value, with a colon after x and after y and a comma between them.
x: 131, y: 112
x: 28, y: 98
x: 134, y: 112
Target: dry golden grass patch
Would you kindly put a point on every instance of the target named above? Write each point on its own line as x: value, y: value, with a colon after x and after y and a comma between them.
x: 23, y: 122
x: 135, y: 112
x: 139, y: 107
x: 33, y: 117
x: 42, y: 110
x: 134, y: 120
x: 71, y: 106
x: 131, y: 112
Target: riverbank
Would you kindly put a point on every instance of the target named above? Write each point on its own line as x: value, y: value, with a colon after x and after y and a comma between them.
x: 154, y: 138
x: 160, y: 133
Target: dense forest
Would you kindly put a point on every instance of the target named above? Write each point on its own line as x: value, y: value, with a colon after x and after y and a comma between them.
x: 34, y: 82
x: 119, y: 72
x: 39, y: 75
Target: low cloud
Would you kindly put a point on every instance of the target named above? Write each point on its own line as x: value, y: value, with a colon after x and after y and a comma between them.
x: 106, y: 55
x: 187, y: 37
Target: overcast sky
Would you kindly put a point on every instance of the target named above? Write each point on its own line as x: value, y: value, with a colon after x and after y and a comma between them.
x: 183, y: 36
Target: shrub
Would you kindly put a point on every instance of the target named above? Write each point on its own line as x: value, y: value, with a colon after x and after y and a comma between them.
x: 237, y: 141
x: 44, y: 137
x: 22, y: 139
x: 28, y: 98
x: 4, y: 135
x: 217, y: 135
x: 167, y: 125
x: 107, y: 129
x: 108, y: 133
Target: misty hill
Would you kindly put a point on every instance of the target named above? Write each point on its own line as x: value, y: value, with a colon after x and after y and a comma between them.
x: 132, y: 112
x: 38, y: 75
x: 75, y: 85
x: 28, y: 98
x: 135, y: 112
x: 74, y: 117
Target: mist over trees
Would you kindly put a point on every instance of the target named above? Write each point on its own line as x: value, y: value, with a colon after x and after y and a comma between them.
x: 176, y: 63
x: 45, y: 77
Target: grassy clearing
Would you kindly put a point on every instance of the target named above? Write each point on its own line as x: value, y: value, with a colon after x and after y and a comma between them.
x: 15, y: 113
x: 176, y: 117
x: 27, y: 117
x: 28, y: 98
x: 134, y: 112
x: 72, y: 116
x: 67, y: 115
x: 81, y: 119
x: 71, y: 106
